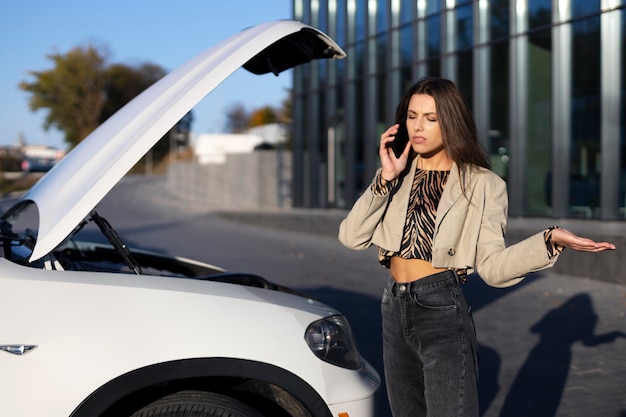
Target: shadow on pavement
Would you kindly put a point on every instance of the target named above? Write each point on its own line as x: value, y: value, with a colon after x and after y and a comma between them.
x: 539, y: 385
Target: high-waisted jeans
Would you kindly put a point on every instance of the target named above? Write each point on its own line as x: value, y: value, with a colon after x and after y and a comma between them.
x: 429, y: 348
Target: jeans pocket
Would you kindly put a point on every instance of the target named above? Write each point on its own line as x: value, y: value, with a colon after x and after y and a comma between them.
x: 386, y: 296
x: 438, y: 299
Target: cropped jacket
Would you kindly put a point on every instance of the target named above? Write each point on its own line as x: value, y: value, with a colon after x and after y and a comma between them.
x: 469, y: 228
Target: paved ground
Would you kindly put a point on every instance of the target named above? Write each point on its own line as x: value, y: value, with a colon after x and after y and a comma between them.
x: 554, y: 345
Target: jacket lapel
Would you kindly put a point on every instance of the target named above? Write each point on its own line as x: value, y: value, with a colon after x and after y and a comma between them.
x: 451, y: 193
x: 401, y: 200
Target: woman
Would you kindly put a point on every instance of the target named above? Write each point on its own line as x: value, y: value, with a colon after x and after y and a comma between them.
x: 436, y: 213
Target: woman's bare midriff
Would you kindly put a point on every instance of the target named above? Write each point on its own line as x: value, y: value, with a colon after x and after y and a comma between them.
x: 408, y: 270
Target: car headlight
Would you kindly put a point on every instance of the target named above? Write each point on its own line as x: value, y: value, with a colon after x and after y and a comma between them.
x: 331, y: 340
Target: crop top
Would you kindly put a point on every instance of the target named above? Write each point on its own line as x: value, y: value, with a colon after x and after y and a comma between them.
x: 419, y: 227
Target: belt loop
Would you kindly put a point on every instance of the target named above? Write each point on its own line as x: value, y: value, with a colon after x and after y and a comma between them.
x: 461, y: 276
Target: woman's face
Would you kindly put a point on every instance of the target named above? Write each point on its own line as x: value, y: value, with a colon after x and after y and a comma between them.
x: 422, y: 125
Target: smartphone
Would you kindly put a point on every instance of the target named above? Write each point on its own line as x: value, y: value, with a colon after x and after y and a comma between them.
x: 402, y: 137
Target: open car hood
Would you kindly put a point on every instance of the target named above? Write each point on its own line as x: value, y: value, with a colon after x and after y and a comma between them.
x: 74, y: 186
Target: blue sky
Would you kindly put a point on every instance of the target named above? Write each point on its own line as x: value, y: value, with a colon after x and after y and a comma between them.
x: 165, y: 33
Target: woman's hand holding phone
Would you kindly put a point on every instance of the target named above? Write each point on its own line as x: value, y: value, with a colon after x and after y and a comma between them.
x: 393, y: 161
x: 401, y: 140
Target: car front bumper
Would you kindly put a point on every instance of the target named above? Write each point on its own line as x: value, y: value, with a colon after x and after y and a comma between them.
x: 369, y: 405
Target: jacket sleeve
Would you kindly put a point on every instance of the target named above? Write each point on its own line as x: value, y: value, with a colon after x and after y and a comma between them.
x: 497, y: 264
x: 357, y: 229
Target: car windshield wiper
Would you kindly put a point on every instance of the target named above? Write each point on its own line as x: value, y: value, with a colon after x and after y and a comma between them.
x: 9, y: 238
x: 119, y: 245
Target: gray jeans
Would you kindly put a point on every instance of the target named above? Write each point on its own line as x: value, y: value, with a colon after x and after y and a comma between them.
x: 429, y: 348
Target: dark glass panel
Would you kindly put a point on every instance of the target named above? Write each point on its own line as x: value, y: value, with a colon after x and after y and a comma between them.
x: 433, y: 33
x: 382, y: 16
x: 622, y: 122
x: 433, y: 6
x: 360, y: 19
x: 434, y: 67
x: 539, y: 13
x: 498, y: 142
x: 407, y: 10
x: 406, y: 45
x: 585, y: 7
x: 585, y: 149
x: 537, y: 201
x: 465, y: 75
x: 499, y: 18
x: 340, y: 36
x: 464, y: 27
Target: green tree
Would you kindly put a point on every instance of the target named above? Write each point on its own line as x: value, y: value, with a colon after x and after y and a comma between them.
x: 123, y: 83
x: 81, y: 91
x: 237, y: 119
x: 72, y: 92
x: 264, y: 116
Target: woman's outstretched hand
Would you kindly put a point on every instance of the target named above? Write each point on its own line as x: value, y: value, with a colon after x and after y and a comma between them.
x: 570, y: 240
x: 392, y: 166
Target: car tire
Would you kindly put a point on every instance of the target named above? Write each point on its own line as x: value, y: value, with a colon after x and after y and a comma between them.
x: 197, y: 404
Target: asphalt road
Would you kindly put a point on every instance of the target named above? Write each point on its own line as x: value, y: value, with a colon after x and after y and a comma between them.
x: 552, y: 346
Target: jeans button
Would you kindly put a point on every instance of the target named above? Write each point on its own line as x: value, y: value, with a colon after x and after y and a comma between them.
x: 402, y: 288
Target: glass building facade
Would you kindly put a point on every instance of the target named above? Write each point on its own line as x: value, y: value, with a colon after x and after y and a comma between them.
x: 545, y: 80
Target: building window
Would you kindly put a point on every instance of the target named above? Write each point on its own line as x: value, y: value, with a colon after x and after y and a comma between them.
x: 622, y: 122
x: 464, y: 27
x: 433, y: 45
x: 539, y: 13
x: 499, y: 139
x: 499, y: 18
x: 382, y: 16
x: 538, y: 184
x: 406, y: 57
x: 360, y: 16
x: 433, y: 7
x: 407, y: 11
x: 585, y: 110
x: 585, y: 7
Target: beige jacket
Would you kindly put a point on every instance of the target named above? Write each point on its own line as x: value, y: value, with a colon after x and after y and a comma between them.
x: 469, y: 230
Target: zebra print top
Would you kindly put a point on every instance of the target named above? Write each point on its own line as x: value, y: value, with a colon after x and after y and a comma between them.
x: 419, y: 227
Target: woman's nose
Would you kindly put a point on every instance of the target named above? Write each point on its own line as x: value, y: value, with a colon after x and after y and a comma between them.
x: 417, y: 125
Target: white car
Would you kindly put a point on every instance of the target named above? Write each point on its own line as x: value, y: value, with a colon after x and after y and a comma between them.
x: 91, y: 330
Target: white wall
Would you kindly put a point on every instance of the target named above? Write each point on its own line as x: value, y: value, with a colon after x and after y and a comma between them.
x: 244, y: 181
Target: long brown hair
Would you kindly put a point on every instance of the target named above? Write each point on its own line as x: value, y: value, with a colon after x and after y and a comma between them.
x: 458, y: 129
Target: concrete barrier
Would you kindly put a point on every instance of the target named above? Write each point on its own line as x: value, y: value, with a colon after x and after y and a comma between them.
x: 251, y: 181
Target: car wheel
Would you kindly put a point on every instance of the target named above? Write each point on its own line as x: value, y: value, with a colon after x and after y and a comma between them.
x: 197, y: 404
